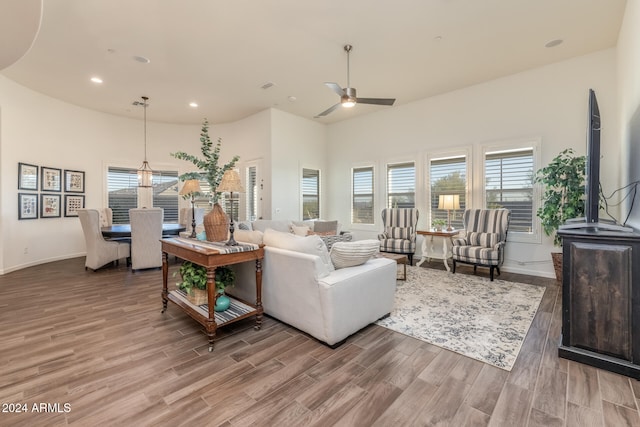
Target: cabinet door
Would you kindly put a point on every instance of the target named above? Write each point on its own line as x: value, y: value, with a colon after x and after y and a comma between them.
x: 600, y: 280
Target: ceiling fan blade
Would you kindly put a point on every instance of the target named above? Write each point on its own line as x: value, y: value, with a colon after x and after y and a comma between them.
x: 335, y: 87
x: 327, y: 111
x: 376, y: 101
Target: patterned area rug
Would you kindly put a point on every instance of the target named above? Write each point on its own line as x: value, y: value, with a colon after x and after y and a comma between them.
x: 470, y: 315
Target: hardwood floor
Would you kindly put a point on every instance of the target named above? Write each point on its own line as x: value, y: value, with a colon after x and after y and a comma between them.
x: 97, y: 343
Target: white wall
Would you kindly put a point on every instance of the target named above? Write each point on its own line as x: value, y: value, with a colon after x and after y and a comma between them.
x: 628, y: 56
x: 549, y: 103
x: 40, y: 130
x: 296, y: 142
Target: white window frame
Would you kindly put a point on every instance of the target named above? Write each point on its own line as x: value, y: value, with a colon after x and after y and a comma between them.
x: 465, y: 152
x: 415, y: 180
x: 361, y: 225
x: 516, y: 145
x: 320, y: 198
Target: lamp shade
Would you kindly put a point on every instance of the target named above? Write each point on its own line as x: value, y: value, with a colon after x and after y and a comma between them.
x: 449, y: 201
x: 230, y: 183
x: 190, y: 186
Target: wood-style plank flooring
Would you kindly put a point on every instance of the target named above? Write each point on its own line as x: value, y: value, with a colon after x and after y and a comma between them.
x: 97, y: 343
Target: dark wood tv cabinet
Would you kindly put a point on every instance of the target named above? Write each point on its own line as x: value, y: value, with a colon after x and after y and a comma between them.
x: 601, y: 299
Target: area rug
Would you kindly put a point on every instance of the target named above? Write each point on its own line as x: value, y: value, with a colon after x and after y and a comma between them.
x: 470, y: 315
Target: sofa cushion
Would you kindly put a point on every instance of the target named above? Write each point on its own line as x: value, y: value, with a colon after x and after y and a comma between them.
x: 350, y: 254
x: 300, y: 230
x: 486, y: 240
x: 248, y: 236
x: 312, y: 245
x: 278, y: 225
x: 398, y: 232
x: 325, y: 227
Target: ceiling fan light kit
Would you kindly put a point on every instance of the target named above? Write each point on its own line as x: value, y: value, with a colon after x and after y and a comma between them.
x: 348, y: 96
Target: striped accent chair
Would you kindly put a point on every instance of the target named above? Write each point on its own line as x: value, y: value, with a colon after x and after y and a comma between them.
x: 399, y: 235
x: 483, y: 244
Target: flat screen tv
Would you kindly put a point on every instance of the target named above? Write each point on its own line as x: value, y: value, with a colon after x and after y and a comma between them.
x: 592, y: 176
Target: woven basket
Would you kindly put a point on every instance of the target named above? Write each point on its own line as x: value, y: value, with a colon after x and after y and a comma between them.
x: 197, y: 296
x: 216, y: 224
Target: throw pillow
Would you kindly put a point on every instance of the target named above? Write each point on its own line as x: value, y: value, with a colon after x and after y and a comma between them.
x: 350, y: 254
x: 487, y: 240
x: 325, y: 227
x: 322, y: 233
x: 312, y: 245
x: 244, y: 226
x: 398, y: 232
x: 300, y: 230
x: 248, y: 236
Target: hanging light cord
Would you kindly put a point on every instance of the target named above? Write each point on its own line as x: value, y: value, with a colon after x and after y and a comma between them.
x: 144, y: 104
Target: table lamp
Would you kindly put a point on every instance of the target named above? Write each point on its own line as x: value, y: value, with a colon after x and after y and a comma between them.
x: 449, y: 202
x: 190, y: 188
x: 230, y: 183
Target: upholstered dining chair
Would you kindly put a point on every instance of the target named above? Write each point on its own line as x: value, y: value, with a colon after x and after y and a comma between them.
x: 99, y: 251
x: 399, y: 235
x: 106, y: 217
x: 146, y: 232
x: 484, y: 240
x: 186, y: 219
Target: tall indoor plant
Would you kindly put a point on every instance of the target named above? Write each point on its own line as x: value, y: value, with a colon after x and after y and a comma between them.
x: 563, y: 182
x: 210, y: 170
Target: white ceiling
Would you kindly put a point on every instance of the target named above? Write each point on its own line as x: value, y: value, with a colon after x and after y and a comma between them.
x: 219, y: 53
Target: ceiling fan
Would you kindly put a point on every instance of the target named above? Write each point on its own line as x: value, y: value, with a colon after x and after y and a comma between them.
x: 348, y: 95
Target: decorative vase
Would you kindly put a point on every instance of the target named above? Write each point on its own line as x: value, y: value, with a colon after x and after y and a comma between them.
x: 216, y: 224
x: 222, y: 303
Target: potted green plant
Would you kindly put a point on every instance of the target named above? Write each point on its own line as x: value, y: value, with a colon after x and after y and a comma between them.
x: 211, y: 171
x: 563, y: 182
x: 194, y: 283
x: 438, y: 224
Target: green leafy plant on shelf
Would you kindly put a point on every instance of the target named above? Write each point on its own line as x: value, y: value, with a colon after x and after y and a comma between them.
x: 194, y: 276
x: 438, y: 223
x: 209, y: 168
x: 563, y: 182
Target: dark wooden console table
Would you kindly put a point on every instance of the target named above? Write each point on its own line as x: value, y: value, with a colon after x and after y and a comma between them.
x: 601, y: 299
x: 208, y: 256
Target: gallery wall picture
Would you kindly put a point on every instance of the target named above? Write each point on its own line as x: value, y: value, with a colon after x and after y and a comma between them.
x: 73, y: 181
x: 27, y: 206
x: 49, y: 206
x: 72, y: 203
x: 27, y: 177
x: 51, y: 179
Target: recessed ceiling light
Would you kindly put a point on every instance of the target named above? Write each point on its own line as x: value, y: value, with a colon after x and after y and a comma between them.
x: 437, y: 38
x: 292, y: 99
x: 141, y: 59
x: 193, y: 104
x: 97, y: 80
x: 554, y: 43
x: 267, y: 85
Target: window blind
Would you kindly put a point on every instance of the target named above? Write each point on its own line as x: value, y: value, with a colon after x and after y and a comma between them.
x: 401, y: 185
x: 362, y: 196
x: 310, y: 194
x: 509, y: 184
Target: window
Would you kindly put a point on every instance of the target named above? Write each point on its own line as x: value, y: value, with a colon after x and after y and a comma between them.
x: 362, y: 196
x: 310, y: 194
x: 448, y: 176
x: 508, y: 177
x: 401, y: 185
x: 252, y: 193
x: 122, y: 188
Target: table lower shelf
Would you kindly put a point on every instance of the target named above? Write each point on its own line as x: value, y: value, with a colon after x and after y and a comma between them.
x: 237, y: 309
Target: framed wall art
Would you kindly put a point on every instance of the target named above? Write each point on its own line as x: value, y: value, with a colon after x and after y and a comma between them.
x: 73, y: 181
x: 27, y: 206
x: 49, y: 206
x: 51, y: 179
x: 27, y: 177
x: 72, y: 203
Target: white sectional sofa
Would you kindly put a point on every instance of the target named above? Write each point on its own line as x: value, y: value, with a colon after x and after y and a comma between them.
x: 301, y: 287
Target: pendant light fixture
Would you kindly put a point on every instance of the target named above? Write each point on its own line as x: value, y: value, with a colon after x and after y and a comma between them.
x: 145, y: 173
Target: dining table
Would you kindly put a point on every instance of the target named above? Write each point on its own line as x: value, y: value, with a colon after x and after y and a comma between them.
x: 124, y: 230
